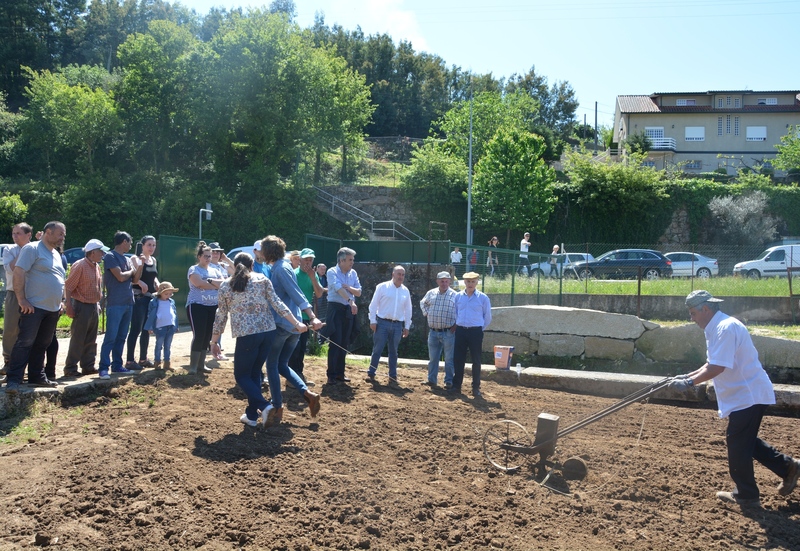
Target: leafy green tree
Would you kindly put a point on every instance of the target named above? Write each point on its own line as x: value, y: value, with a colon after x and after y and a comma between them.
x: 9, y: 131
x: 638, y: 143
x: 558, y: 102
x: 742, y: 220
x: 436, y: 184
x: 12, y: 211
x: 788, y: 157
x: 513, y: 184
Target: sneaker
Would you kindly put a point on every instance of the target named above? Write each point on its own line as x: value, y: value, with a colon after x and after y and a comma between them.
x: 44, y: 383
x: 131, y: 366
x: 370, y: 379
x: 265, y: 414
x: 146, y: 363
x: 104, y: 374
x: 448, y: 386
x: 248, y: 422
x: 122, y: 370
x: 393, y: 381
x: 730, y: 497
x: 477, y: 394
x: 12, y: 388
x: 427, y: 383
x: 71, y: 373
x: 88, y: 371
x: 790, y: 480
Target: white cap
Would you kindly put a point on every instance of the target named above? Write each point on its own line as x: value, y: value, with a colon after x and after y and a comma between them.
x: 257, y: 245
x: 94, y: 244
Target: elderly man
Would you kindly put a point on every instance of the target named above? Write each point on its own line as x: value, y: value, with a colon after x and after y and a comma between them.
x: 439, y: 306
x: 39, y: 285
x: 258, y: 257
x: 389, y: 320
x: 21, y: 234
x: 743, y: 393
x: 473, y: 316
x: 343, y: 289
x: 309, y: 283
x: 83, y: 290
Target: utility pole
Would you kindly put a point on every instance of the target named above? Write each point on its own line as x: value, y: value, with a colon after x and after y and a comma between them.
x: 469, y: 183
x: 595, y: 129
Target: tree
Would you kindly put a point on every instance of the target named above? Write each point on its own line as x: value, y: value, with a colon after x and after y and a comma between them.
x: 12, y: 211
x: 639, y: 143
x: 557, y: 102
x: 788, y: 157
x: 743, y: 220
x: 513, y: 184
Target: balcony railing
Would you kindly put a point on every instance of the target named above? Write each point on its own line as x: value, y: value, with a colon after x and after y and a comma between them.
x: 663, y: 143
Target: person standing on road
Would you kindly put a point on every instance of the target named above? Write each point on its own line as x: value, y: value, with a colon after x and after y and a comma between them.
x: 473, y: 316
x: 524, y: 246
x: 743, y: 393
x: 83, y: 291
x: 343, y: 288
x: 439, y: 307
x: 144, y: 286
x: 118, y: 275
x: 248, y: 296
x: 389, y: 320
x: 39, y: 285
x: 492, y: 259
x: 309, y: 283
x: 21, y: 234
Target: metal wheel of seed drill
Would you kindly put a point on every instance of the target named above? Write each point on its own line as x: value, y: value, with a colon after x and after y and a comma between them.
x: 507, y: 444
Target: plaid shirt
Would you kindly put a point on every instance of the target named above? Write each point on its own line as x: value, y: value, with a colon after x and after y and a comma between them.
x: 439, y: 308
x: 84, y: 283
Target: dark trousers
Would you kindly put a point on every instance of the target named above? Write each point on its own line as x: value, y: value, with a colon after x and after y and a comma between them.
x: 744, y: 445
x: 83, y: 340
x: 248, y: 359
x: 340, y: 325
x: 202, y: 319
x: 467, y: 339
x: 139, y: 316
x: 36, y: 332
x: 299, y: 354
x: 10, y: 324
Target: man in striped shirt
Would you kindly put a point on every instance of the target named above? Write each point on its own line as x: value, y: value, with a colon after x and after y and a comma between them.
x: 83, y: 291
x: 439, y: 306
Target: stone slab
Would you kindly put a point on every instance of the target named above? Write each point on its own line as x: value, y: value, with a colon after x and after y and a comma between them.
x: 683, y: 343
x: 561, y: 345
x: 523, y: 344
x: 558, y: 319
x: 774, y: 352
x: 608, y: 349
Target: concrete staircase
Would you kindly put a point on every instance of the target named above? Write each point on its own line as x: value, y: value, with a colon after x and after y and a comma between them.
x: 377, y: 230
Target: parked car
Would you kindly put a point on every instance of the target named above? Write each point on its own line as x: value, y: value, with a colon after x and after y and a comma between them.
x: 74, y: 254
x: 243, y: 249
x: 625, y: 264
x: 692, y: 264
x: 771, y: 263
x: 563, y: 261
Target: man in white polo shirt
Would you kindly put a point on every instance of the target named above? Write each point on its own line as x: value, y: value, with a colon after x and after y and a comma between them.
x: 743, y: 393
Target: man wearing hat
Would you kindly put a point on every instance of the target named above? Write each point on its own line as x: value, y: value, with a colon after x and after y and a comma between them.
x: 258, y: 257
x: 473, y: 316
x: 83, y: 290
x: 439, y: 307
x: 743, y: 392
x: 309, y: 283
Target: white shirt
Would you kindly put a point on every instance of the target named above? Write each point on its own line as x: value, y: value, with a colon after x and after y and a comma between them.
x: 392, y: 303
x: 523, y: 248
x: 743, y: 382
x: 11, y: 253
x: 455, y: 257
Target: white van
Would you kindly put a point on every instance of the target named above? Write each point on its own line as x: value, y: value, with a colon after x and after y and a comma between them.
x: 771, y: 263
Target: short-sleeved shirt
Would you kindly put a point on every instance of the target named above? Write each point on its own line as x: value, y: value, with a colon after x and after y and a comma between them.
x: 9, y: 255
x: 44, y: 276
x: 84, y: 282
x: 206, y: 297
x: 306, y: 286
x: 118, y: 293
x: 743, y: 382
x: 439, y: 308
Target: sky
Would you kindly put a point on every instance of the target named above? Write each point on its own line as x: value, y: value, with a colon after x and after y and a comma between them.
x: 603, y: 49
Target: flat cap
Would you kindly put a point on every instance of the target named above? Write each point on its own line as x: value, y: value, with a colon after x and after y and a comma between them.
x: 696, y: 298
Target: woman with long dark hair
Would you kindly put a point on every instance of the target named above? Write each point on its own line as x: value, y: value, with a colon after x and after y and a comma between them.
x: 144, y: 287
x: 247, y: 296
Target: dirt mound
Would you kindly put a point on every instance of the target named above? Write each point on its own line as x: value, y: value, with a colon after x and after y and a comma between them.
x: 164, y: 463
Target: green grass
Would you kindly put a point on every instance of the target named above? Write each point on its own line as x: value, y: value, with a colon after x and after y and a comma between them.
x: 791, y: 332
x: 27, y: 425
x: 719, y: 286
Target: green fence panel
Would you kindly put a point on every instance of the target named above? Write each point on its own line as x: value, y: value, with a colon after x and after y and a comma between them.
x: 325, y: 249
x: 175, y: 255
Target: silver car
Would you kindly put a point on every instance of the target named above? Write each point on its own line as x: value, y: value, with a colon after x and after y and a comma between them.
x: 562, y: 260
x: 693, y: 264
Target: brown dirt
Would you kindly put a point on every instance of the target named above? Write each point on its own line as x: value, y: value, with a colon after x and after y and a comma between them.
x: 164, y: 463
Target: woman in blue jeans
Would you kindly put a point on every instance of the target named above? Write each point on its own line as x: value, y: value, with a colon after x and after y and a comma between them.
x: 247, y: 296
x: 144, y: 288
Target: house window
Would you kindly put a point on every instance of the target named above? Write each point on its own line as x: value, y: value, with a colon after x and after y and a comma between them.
x: 727, y: 124
x: 735, y: 126
x: 651, y: 164
x: 728, y: 101
x: 685, y: 102
x: 719, y: 126
x: 696, y: 165
x: 654, y: 132
x: 737, y: 102
x: 756, y: 134
x: 767, y: 101
x: 695, y: 133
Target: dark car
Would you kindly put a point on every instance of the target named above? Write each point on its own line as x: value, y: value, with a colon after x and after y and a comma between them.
x: 625, y: 264
x: 74, y: 254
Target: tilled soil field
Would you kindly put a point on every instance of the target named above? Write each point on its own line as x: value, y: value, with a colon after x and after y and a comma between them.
x: 163, y: 462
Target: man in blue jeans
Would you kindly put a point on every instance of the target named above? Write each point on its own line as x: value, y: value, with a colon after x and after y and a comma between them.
x: 439, y: 306
x: 390, y: 321
x: 119, y: 304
